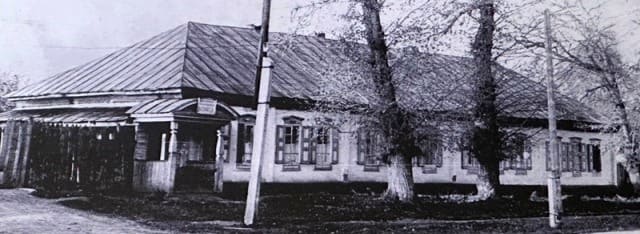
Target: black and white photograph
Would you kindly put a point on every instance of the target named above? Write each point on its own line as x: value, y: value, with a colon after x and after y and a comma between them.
x: 320, y: 116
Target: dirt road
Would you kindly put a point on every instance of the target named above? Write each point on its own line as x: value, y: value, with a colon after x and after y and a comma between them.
x: 23, y: 213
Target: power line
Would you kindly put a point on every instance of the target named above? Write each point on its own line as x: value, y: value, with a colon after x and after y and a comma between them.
x: 153, y: 48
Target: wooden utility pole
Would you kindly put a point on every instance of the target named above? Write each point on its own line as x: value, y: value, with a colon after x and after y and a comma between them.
x: 264, y: 39
x: 555, y: 194
x: 263, y: 93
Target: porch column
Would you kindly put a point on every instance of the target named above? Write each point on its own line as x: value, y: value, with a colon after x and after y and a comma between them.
x: 218, y: 180
x: 173, y: 154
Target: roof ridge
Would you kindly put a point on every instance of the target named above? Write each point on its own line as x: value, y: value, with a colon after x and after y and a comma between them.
x: 184, y: 55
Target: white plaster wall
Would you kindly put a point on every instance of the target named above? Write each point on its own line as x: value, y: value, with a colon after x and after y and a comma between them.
x: 451, y: 160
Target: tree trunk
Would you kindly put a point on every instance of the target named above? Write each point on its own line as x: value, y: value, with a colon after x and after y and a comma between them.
x: 485, y: 138
x: 394, y: 121
x: 400, y: 179
x: 488, y: 181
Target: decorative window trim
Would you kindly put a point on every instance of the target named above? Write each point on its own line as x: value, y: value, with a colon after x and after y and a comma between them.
x: 292, y: 120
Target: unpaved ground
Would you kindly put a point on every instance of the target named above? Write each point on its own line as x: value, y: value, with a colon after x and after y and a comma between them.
x: 23, y: 213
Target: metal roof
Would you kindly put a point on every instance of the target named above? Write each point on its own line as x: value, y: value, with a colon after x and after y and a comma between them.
x: 221, y: 59
x: 200, y: 56
x: 68, y: 115
x: 162, y: 106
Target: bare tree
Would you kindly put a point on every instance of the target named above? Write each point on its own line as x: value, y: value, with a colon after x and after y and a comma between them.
x: 427, y: 26
x: 588, y: 50
x: 485, y: 135
x: 366, y: 85
x: 8, y: 83
x: 498, y: 26
x: 394, y: 120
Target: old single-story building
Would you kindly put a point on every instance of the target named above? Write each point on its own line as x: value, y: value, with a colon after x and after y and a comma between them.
x: 179, y: 87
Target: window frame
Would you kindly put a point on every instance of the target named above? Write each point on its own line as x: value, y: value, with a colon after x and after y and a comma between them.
x: 292, y: 122
x: 244, y: 122
x: 328, y: 132
x: 370, y: 141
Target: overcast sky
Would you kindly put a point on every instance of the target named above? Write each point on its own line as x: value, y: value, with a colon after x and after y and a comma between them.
x: 40, y: 38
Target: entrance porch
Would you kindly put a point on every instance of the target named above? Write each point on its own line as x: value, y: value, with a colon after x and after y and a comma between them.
x: 176, y: 143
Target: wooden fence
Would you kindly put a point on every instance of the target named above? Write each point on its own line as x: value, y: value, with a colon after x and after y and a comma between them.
x: 54, y: 158
x: 14, y: 152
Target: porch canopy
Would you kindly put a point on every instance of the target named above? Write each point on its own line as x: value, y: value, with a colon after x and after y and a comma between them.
x: 66, y: 115
x: 201, y: 110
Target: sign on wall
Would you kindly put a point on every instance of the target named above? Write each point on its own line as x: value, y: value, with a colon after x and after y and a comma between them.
x: 206, y: 106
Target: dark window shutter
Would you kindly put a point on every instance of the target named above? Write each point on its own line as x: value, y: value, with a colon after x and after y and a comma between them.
x: 439, y: 153
x: 597, y: 166
x: 528, y: 149
x: 563, y: 153
x: 305, y: 156
x: 362, y: 146
x: 240, y: 143
x: 279, y: 145
x: 589, y: 154
x: 312, y: 146
x: 335, y: 138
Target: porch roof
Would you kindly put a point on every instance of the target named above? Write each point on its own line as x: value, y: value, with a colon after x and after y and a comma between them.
x: 68, y: 115
x: 163, y: 108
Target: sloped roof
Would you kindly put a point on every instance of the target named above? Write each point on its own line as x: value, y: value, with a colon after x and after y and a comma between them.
x: 68, y: 115
x: 200, y: 56
x: 222, y: 59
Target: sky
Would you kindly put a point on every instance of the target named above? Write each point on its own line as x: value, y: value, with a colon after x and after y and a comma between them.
x: 41, y: 38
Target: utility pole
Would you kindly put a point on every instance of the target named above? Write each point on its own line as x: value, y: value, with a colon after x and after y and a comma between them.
x: 555, y: 194
x: 263, y: 93
x: 264, y: 39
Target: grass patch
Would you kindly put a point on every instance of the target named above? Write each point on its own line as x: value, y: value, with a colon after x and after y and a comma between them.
x: 294, y: 209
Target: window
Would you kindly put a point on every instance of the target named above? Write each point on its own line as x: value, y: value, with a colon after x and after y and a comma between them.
x: 468, y: 162
x: 225, y: 132
x: 431, y: 152
x: 576, y: 156
x: 245, y: 141
x: 593, y: 153
x: 371, y: 148
x: 518, y: 154
x: 324, y: 147
x: 311, y: 145
x: 288, y: 145
x: 291, y: 145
